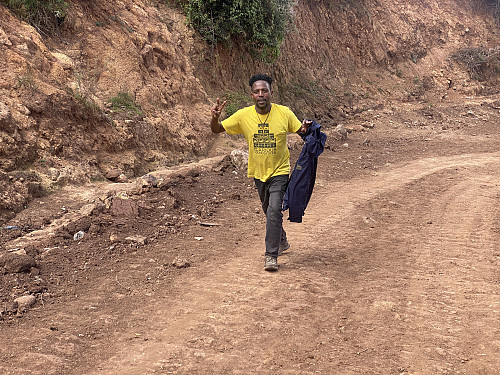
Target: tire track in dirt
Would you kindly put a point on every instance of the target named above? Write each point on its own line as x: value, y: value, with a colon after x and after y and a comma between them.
x: 455, y: 296
x: 398, y: 269
x: 359, y: 291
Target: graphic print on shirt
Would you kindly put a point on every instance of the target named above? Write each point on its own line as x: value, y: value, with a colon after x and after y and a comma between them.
x: 264, y: 142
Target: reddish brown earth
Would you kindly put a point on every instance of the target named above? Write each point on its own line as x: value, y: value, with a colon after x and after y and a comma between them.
x: 395, y: 269
x: 59, y: 126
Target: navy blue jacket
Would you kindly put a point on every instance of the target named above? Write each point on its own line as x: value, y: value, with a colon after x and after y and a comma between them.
x: 303, y: 176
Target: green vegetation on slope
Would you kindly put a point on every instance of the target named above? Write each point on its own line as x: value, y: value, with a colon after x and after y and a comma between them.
x: 261, y: 24
x: 45, y: 15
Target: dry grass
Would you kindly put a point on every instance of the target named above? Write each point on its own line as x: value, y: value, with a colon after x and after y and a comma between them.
x: 480, y: 62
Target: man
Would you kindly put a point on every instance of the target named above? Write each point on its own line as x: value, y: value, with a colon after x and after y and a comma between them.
x: 265, y: 126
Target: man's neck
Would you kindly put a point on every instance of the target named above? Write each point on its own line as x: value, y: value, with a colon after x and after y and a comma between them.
x: 263, y: 111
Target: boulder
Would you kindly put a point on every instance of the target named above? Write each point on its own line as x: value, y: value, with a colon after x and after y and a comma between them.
x: 240, y: 159
x: 25, y: 302
x: 113, y: 174
x: 16, y: 263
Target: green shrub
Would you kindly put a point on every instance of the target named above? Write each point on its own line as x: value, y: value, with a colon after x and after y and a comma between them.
x: 26, y: 80
x: 235, y: 101
x: 45, y: 15
x: 261, y: 24
x: 124, y: 102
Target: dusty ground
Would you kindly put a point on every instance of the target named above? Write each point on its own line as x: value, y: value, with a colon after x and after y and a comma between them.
x: 395, y: 269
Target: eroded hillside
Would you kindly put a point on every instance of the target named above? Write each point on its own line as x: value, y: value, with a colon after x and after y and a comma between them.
x: 61, y: 120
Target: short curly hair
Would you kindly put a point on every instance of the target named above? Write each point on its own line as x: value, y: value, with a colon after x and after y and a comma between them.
x: 260, y: 77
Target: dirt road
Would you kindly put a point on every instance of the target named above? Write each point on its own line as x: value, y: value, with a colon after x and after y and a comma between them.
x: 395, y: 270
x: 398, y: 273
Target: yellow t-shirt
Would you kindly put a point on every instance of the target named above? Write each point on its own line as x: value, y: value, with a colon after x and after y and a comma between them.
x: 266, y: 138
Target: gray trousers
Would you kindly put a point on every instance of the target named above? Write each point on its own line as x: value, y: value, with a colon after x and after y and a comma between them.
x: 271, y: 195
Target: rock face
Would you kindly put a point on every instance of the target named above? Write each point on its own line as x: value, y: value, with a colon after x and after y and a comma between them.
x: 60, y: 117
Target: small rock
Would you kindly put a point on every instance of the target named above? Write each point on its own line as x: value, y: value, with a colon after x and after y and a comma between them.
x: 149, y: 180
x: 22, y: 109
x: 78, y: 235
x: 180, y: 263
x: 25, y: 302
x: 122, y: 179
x: 113, y: 174
x: 54, y: 174
x: 137, y: 239
x: 342, y: 131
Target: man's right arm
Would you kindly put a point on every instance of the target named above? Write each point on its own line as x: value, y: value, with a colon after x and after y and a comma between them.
x: 215, y: 124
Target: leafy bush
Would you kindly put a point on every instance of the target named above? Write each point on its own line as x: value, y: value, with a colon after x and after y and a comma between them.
x: 235, y: 101
x: 45, y: 15
x: 124, y: 102
x: 262, y: 24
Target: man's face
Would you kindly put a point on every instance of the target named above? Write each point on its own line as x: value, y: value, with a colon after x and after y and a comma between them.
x: 261, y: 95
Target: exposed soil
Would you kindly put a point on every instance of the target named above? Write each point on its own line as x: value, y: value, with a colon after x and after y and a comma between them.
x: 395, y: 269
x: 61, y: 123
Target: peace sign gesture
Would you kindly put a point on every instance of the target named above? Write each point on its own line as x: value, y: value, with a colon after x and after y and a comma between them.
x: 217, y: 108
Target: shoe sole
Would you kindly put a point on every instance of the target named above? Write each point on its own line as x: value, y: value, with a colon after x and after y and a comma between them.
x: 271, y: 268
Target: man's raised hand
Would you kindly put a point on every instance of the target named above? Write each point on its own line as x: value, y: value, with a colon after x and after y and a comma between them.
x: 217, y: 108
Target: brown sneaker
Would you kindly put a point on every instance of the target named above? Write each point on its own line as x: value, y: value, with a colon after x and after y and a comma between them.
x: 271, y: 263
